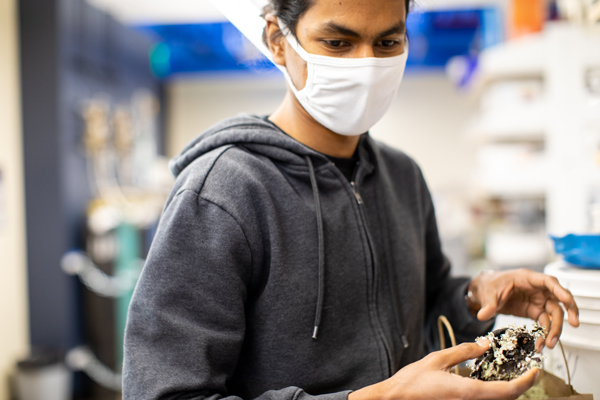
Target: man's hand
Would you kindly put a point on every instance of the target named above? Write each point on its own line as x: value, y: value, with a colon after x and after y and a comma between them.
x: 430, y: 378
x: 528, y: 294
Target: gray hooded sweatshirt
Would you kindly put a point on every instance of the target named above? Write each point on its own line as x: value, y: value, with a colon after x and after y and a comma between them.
x: 272, y: 277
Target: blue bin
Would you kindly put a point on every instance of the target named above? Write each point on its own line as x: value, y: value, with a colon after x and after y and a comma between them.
x: 579, y: 250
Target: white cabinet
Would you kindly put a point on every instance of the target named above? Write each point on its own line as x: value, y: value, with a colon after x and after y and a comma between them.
x: 539, y: 122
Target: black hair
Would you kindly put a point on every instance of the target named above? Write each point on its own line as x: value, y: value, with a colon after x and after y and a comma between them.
x: 290, y: 12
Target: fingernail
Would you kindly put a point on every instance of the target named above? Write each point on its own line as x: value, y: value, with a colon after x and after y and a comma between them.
x: 537, y: 373
x: 483, y: 342
x: 553, y: 342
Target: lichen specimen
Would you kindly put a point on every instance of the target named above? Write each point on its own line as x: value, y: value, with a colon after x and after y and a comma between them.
x: 511, y: 353
x: 536, y: 392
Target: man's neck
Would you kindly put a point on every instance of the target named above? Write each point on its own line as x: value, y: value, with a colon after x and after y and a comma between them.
x: 296, y: 122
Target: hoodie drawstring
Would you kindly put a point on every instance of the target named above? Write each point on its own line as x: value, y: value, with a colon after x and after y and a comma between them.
x: 315, y: 190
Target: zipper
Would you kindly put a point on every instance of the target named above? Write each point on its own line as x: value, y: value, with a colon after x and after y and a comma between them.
x: 359, y: 199
x: 379, y: 329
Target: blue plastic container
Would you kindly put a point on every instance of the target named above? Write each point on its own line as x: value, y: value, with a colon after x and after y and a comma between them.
x: 579, y: 250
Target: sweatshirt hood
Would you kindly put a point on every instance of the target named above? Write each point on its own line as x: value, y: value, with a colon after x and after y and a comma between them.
x: 252, y: 132
x: 262, y: 137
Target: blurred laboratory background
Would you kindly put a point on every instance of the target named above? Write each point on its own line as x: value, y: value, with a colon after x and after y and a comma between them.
x: 500, y: 106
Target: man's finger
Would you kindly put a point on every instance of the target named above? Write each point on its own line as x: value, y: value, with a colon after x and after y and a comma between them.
x: 448, y: 358
x: 572, y: 311
x: 543, y: 320
x: 542, y: 281
x: 501, y: 389
x: 565, y: 297
x: 555, y: 328
x: 524, y: 382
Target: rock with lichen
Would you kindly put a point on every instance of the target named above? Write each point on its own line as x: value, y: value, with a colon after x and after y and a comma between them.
x: 511, y: 353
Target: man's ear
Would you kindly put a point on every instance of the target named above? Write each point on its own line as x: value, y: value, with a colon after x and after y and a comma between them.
x: 275, y: 39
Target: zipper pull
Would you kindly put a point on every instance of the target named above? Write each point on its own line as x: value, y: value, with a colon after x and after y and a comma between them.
x: 359, y: 199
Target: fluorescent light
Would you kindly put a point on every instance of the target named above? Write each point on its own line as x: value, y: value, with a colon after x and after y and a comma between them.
x: 160, y: 11
x: 429, y: 5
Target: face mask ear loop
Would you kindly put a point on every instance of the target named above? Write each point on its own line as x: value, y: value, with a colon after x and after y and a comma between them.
x: 293, y: 42
x: 285, y: 31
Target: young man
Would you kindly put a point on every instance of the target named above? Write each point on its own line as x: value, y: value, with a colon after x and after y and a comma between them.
x: 299, y: 258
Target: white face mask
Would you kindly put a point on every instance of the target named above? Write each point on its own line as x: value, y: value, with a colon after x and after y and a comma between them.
x: 347, y: 95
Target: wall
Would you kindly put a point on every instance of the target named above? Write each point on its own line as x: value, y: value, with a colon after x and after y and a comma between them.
x: 14, y: 337
x: 196, y: 104
x: 427, y: 120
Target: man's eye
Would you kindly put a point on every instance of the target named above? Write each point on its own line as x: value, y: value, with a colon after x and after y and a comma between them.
x: 389, y: 43
x: 334, y: 43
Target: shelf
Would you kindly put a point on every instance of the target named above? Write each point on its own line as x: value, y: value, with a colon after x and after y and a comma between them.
x: 517, y: 249
x: 527, y: 58
x: 511, y: 192
x: 511, y: 111
x: 512, y: 170
x: 506, y: 137
x: 510, y: 124
x: 520, y: 59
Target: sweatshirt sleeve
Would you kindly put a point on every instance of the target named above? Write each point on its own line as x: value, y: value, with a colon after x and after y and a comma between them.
x: 446, y: 294
x: 186, y: 321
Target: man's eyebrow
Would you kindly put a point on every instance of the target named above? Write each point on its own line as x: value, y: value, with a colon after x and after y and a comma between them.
x: 400, y: 27
x: 336, y: 29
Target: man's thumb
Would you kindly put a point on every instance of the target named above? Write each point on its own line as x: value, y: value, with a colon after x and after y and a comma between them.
x: 455, y: 355
x: 488, y: 311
